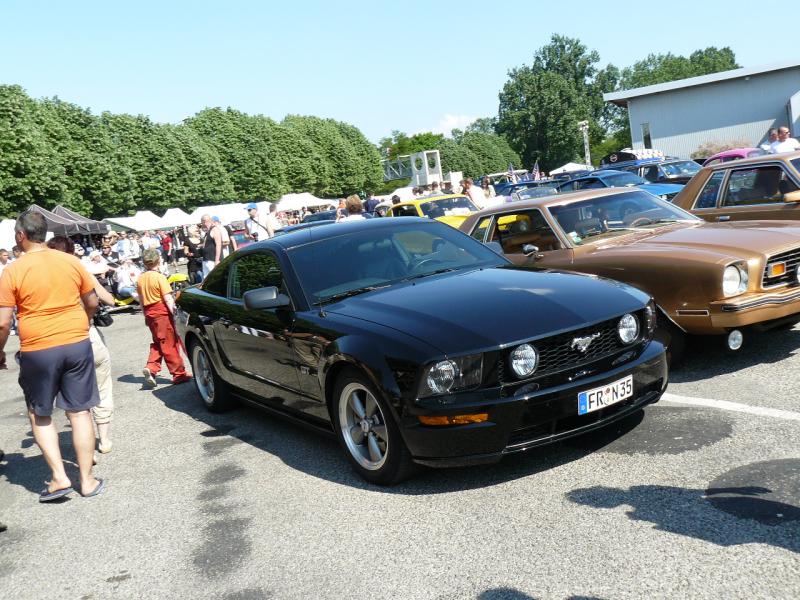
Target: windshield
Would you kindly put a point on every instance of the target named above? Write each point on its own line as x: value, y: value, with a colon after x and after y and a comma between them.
x: 614, y: 215
x: 682, y: 167
x: 375, y: 257
x: 448, y: 207
x: 537, y: 192
x: 623, y: 180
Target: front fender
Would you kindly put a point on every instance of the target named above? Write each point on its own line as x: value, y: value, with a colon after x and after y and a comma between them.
x: 367, y: 356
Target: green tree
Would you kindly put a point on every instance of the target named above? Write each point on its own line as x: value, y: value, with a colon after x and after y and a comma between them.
x: 246, y: 149
x: 660, y: 68
x: 205, y: 181
x: 538, y: 114
x: 368, y: 156
x: 482, y: 125
x: 97, y: 184
x: 457, y: 157
x: 30, y: 171
x: 345, y: 174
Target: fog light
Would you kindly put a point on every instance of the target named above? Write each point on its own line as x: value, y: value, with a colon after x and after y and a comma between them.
x: 735, y: 340
x: 454, y: 419
x: 524, y: 360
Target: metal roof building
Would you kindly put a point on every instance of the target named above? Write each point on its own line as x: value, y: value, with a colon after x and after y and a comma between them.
x: 738, y: 105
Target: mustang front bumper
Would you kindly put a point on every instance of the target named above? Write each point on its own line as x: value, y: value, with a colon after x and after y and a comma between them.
x: 532, y: 419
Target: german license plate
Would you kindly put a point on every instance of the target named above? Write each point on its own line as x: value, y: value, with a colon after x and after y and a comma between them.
x: 611, y: 393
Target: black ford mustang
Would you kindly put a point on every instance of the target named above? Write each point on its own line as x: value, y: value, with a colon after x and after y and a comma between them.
x: 414, y: 343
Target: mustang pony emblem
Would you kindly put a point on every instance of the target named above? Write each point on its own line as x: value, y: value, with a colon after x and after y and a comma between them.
x: 582, y: 343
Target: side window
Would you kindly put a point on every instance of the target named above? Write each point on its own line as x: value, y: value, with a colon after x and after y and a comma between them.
x: 651, y: 173
x: 708, y: 196
x: 758, y: 185
x: 217, y: 281
x: 405, y: 211
x: 514, y: 230
x: 589, y: 184
x: 255, y: 271
x: 479, y: 233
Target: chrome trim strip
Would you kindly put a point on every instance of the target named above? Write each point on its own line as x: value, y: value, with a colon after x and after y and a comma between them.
x: 761, y: 302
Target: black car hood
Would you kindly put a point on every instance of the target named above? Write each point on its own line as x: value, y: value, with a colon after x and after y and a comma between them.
x: 476, y: 310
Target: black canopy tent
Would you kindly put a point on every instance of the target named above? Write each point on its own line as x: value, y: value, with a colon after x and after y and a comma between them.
x: 90, y: 226
x: 60, y: 224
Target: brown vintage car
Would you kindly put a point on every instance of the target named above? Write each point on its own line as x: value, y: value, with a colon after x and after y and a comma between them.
x: 764, y: 187
x: 707, y: 278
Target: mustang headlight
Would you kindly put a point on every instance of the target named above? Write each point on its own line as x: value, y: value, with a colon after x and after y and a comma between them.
x: 734, y: 280
x: 452, y: 375
x: 524, y: 360
x: 628, y: 328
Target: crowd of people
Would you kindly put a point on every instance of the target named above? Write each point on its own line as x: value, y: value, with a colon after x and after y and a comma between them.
x: 779, y: 140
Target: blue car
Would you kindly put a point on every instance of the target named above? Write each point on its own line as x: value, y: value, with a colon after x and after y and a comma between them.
x: 508, y: 188
x: 610, y: 178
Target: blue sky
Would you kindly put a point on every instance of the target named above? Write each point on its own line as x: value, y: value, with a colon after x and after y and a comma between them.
x: 412, y: 66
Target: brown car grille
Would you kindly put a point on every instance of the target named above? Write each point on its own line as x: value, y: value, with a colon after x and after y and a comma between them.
x: 792, y: 260
x: 557, y: 353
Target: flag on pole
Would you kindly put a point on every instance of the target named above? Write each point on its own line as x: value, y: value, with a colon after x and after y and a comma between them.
x: 535, y: 171
x: 511, y: 176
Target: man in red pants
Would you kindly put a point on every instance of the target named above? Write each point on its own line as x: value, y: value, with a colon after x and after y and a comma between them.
x: 155, y: 296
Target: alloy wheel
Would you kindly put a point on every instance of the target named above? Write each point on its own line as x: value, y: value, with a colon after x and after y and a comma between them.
x: 203, y: 375
x: 363, y: 426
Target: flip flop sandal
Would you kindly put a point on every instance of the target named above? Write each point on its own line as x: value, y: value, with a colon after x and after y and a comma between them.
x: 45, y: 496
x: 101, y: 485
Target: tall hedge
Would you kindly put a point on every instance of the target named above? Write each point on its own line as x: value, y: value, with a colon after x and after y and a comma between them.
x: 53, y: 152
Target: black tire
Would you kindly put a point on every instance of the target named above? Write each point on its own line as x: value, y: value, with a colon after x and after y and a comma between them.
x: 214, y: 392
x: 676, y: 346
x: 396, y: 464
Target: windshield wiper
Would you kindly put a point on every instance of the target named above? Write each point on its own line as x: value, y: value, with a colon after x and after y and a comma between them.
x: 436, y: 272
x: 349, y: 293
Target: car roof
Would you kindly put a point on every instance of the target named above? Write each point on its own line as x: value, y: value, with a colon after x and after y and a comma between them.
x: 429, y: 198
x: 783, y: 157
x: 556, y: 200
x: 333, y: 229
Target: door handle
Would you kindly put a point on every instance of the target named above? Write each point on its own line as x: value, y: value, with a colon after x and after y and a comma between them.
x: 724, y: 218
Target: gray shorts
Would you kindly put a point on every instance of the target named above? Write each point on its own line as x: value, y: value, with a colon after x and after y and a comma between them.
x: 62, y: 375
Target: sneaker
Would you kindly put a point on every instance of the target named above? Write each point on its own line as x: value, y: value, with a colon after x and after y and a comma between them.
x: 149, y: 379
x: 181, y: 379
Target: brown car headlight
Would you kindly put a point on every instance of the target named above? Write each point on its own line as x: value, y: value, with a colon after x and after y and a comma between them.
x: 452, y: 375
x: 734, y: 280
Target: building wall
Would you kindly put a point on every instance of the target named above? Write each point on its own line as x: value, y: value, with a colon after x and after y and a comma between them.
x: 738, y: 109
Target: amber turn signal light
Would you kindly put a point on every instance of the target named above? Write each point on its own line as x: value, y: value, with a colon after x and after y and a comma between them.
x: 777, y: 269
x: 454, y: 419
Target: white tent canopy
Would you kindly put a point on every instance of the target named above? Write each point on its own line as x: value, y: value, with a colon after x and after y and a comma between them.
x: 569, y: 167
x: 227, y: 213
x: 175, y: 217
x: 298, y: 201
x: 141, y: 221
x: 7, y: 240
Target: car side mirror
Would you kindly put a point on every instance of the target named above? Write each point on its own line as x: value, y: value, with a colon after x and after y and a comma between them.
x: 266, y: 297
x: 496, y: 247
x: 792, y: 196
x: 529, y: 249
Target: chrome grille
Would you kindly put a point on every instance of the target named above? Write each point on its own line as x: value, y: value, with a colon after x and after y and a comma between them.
x: 792, y: 260
x: 557, y: 353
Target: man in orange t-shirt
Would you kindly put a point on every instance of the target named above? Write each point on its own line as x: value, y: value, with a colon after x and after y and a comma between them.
x: 155, y: 296
x: 54, y: 297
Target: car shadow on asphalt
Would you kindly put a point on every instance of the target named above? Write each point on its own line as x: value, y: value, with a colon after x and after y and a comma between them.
x: 706, y: 357
x: 319, y: 455
x: 726, y: 516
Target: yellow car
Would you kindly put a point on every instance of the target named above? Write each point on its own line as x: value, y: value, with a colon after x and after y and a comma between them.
x: 451, y: 209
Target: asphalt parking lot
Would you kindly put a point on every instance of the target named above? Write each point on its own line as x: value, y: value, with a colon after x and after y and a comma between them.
x: 699, y: 496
